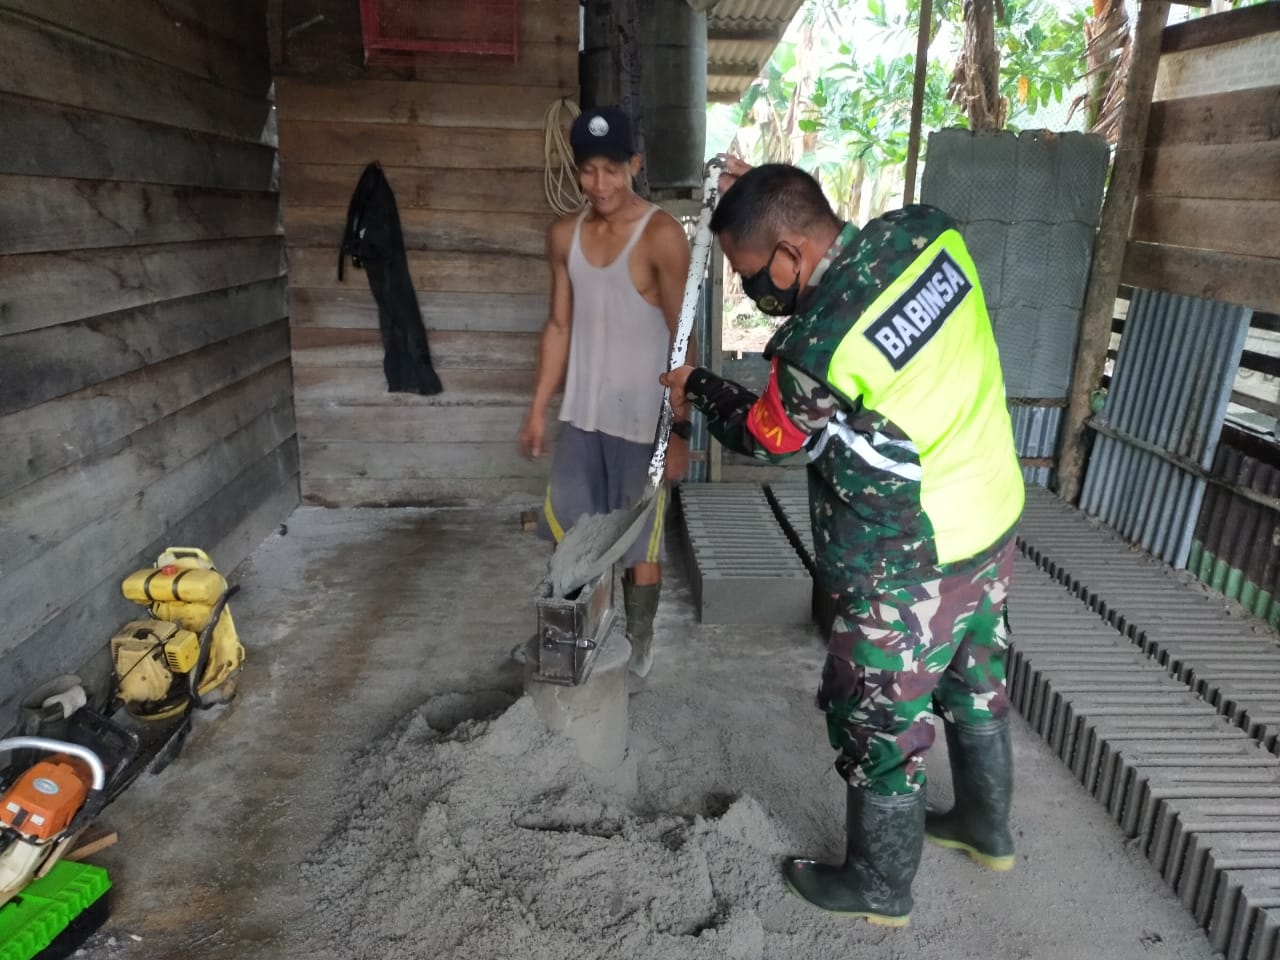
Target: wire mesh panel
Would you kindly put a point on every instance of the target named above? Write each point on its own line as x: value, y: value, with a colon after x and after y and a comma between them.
x: 394, y: 29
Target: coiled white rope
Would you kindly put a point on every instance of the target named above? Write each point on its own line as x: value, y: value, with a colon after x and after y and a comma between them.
x: 560, y: 174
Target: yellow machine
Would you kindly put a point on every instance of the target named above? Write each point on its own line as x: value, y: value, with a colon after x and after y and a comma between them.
x: 188, y: 653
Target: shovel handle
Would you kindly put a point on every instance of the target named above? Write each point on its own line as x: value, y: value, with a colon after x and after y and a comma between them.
x: 688, y: 310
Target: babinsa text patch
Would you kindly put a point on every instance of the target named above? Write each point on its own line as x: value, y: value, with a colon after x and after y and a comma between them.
x: 912, y: 320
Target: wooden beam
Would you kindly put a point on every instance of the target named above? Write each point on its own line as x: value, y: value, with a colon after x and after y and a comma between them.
x: 1240, y: 24
x: 491, y: 105
x: 45, y: 289
x: 1243, y: 116
x: 353, y: 307
x: 415, y: 146
x: 46, y: 214
x: 450, y: 349
x: 48, y: 64
x: 49, y: 140
x: 368, y: 385
x: 1109, y: 248
x: 45, y: 438
x: 446, y: 271
x: 437, y: 189
x: 61, y: 360
x: 1226, y: 226
x: 423, y: 229
x: 1232, y: 278
x: 158, y: 32
x: 44, y: 514
x: 1234, y: 171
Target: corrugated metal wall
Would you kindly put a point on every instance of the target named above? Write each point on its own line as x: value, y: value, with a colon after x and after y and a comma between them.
x: 1163, y: 416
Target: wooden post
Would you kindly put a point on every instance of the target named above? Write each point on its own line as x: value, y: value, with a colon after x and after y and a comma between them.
x: 1109, y: 247
x: 917, y: 99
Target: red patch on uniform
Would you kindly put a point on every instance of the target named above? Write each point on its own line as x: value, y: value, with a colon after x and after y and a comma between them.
x: 769, y: 423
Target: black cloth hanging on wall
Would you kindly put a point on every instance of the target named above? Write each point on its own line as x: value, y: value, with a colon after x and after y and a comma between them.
x: 374, y: 242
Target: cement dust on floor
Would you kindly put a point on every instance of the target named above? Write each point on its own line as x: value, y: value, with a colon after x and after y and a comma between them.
x: 379, y: 789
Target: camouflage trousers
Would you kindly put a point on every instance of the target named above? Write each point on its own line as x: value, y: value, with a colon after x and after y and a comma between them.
x: 894, y: 655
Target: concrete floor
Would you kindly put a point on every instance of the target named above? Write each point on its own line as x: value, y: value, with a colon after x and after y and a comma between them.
x: 353, y: 618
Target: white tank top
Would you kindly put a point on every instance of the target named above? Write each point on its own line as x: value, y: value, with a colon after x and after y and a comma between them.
x: 619, y: 346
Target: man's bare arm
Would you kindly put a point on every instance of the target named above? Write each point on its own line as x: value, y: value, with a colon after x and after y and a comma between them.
x: 553, y: 345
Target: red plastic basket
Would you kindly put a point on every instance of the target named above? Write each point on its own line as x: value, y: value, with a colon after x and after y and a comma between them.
x: 394, y: 29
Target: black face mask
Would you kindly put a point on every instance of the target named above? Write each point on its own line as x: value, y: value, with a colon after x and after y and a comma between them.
x: 768, y: 296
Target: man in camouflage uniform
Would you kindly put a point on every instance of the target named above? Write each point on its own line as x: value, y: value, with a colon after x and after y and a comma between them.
x: 887, y: 376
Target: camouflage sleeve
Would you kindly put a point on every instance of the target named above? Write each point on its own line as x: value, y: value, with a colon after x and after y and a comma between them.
x: 772, y: 426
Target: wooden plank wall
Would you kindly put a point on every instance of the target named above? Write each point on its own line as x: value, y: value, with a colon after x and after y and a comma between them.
x: 1204, y: 223
x: 145, y: 386
x: 461, y: 143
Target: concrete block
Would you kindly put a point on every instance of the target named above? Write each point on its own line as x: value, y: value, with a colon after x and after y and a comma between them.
x: 946, y: 180
x: 1083, y: 160
x: 1054, y: 350
x: 1035, y: 188
x: 1016, y: 338
x: 731, y: 596
x: 1070, y: 251
x: 1026, y: 265
x: 993, y: 171
x: 985, y: 240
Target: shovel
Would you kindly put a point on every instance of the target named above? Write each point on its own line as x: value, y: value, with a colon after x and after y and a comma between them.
x: 595, y: 543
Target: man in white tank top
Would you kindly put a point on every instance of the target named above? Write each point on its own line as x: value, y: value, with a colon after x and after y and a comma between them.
x: 618, y: 271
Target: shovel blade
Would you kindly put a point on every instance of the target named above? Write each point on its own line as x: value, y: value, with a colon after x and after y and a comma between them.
x: 594, y: 544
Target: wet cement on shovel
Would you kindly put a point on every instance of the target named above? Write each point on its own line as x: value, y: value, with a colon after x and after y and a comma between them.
x: 593, y: 545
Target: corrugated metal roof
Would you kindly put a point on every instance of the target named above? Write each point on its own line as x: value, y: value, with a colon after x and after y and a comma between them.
x: 741, y: 36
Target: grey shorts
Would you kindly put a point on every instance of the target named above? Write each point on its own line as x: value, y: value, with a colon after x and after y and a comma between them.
x: 596, y: 473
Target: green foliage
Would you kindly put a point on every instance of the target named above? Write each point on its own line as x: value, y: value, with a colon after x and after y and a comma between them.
x: 844, y: 90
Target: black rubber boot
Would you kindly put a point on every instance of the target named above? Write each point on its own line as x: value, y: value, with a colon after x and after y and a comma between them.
x: 640, y: 605
x: 882, y: 851
x: 982, y: 775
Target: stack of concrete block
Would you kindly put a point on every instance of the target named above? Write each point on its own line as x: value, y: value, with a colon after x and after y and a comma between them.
x: 1222, y: 652
x: 1193, y: 792
x: 743, y: 567
x: 791, y: 503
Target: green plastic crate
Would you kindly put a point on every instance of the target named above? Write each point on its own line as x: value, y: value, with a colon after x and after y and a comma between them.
x: 33, y: 919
